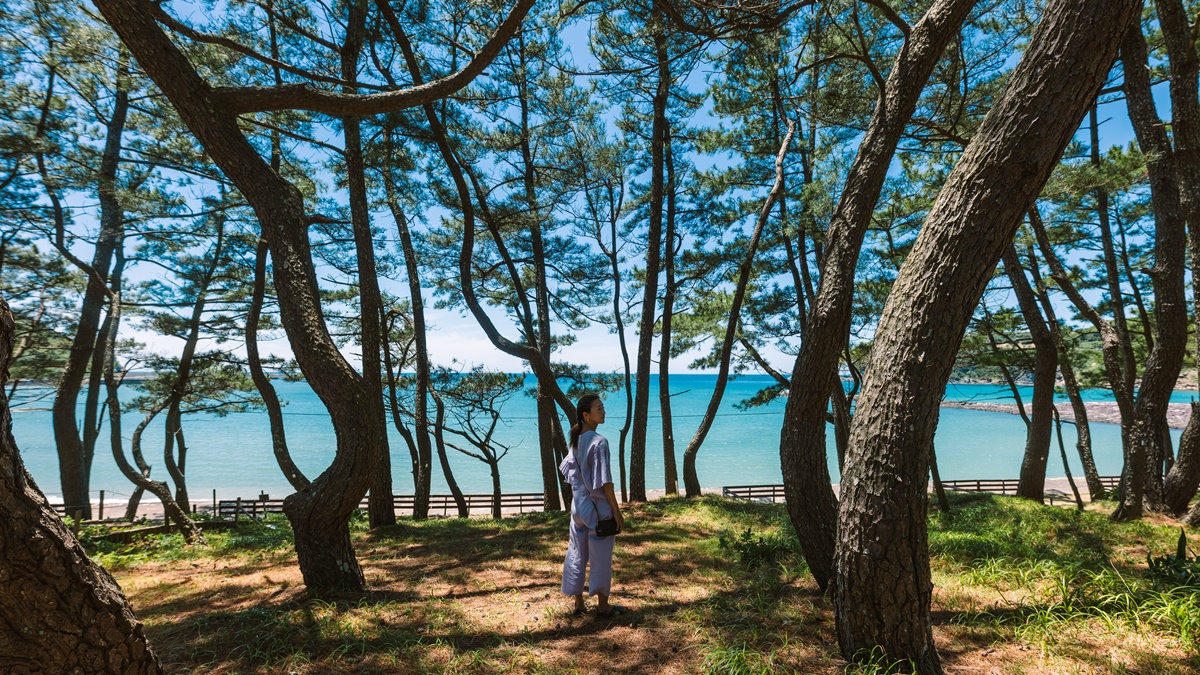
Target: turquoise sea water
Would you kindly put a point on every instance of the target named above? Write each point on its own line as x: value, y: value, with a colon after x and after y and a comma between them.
x: 233, y: 454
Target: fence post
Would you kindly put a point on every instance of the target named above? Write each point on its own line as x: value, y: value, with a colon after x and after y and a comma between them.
x: 75, y: 522
x: 237, y: 510
x: 214, y: 501
x: 101, y: 514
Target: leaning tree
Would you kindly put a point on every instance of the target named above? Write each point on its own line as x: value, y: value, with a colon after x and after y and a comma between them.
x: 319, y: 513
x: 883, y: 586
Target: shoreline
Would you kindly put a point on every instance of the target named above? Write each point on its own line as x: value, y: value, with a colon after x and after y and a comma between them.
x: 1105, y: 412
x: 152, y: 510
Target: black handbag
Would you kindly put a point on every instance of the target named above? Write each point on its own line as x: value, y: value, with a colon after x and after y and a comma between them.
x: 607, y: 527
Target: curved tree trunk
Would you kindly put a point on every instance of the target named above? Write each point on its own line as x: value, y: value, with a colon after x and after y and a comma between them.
x: 266, y: 390
x: 883, y: 588
x: 174, y: 447
x: 1170, y: 245
x: 690, y: 480
x: 1110, y: 343
x: 380, y: 509
x: 810, y: 500
x: 320, y: 513
x: 542, y: 368
x: 1181, y: 482
x: 421, y: 339
x: 141, y: 479
x: 83, y: 623
x: 461, y: 502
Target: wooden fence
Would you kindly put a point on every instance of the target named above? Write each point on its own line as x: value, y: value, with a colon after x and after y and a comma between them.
x: 999, y: 486
x: 438, y: 505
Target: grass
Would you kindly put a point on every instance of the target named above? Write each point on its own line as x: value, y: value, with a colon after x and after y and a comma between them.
x: 714, y: 586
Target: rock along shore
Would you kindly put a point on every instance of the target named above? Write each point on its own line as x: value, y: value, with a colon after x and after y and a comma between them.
x: 1098, y: 411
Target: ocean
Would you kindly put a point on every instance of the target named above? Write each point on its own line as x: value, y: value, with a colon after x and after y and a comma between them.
x: 233, y: 456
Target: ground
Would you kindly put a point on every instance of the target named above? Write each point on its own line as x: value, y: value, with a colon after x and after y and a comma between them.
x: 713, y: 586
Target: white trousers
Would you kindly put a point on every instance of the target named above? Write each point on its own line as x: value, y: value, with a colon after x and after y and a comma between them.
x: 584, y: 548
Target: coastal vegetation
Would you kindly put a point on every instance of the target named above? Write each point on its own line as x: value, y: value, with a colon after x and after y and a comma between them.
x: 890, y: 190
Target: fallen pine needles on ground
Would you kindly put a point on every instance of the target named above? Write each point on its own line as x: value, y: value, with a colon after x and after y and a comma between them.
x: 713, y: 586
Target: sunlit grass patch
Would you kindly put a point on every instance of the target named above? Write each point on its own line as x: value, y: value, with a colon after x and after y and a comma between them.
x: 713, y: 586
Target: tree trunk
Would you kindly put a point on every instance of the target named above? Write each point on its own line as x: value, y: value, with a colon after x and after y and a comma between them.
x: 1062, y: 450
x: 173, y: 436
x: 810, y: 500
x: 938, y: 489
x: 883, y: 588
x: 496, y: 491
x: 690, y: 480
x: 74, y: 456
x: 320, y: 513
x: 1180, y: 483
x: 82, y: 622
x: 1083, y: 432
x: 140, y: 479
x: 670, y: 476
x: 463, y: 510
x: 421, y: 339
x: 1183, y: 479
x: 541, y: 367
x: 1110, y: 343
x: 266, y: 390
x: 380, y: 509
x: 549, y: 426
x: 654, y: 245
x: 616, y: 272
x: 1170, y: 245
x: 1037, y: 439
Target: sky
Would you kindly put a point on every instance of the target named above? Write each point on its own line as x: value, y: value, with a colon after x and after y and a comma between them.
x: 456, y: 337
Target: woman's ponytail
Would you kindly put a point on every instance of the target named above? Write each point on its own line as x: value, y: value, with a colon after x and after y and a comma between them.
x: 584, y: 404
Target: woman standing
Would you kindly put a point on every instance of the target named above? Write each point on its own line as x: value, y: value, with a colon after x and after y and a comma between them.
x: 586, y: 468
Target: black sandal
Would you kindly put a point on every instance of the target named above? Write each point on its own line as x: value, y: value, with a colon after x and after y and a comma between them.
x: 613, y: 610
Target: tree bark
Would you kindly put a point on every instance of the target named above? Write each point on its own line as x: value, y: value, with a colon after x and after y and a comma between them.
x: 421, y: 339
x: 529, y: 351
x: 1032, y: 484
x: 319, y: 514
x: 654, y: 244
x: 883, y: 588
x: 59, y: 611
x: 1110, y: 343
x: 1143, y: 490
x: 1180, y: 483
x: 1083, y: 432
x: 380, y: 509
x: 173, y: 436
x: 266, y: 390
x: 810, y: 500
x: 439, y: 435
x: 670, y: 475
